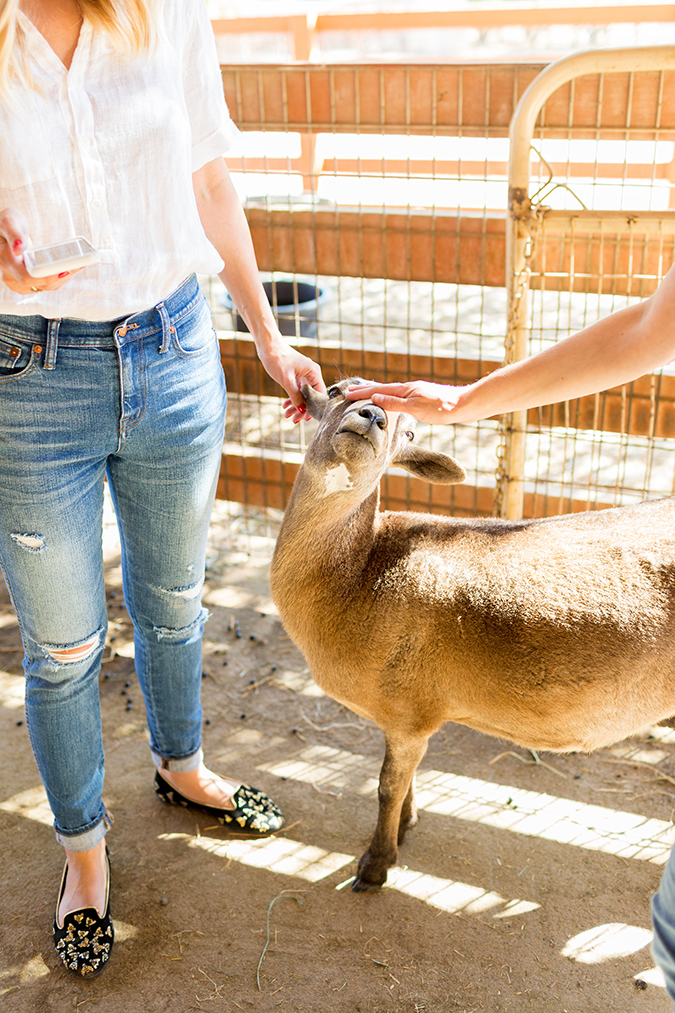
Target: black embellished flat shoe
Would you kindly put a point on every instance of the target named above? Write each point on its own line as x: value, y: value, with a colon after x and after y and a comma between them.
x: 84, y: 941
x: 255, y: 812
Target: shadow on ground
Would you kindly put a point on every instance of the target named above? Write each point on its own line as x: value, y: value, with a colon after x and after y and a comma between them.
x: 524, y: 888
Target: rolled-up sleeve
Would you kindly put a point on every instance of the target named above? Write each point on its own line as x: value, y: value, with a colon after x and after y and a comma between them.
x: 213, y: 132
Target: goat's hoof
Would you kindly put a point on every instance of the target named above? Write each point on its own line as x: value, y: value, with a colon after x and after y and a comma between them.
x: 361, y: 886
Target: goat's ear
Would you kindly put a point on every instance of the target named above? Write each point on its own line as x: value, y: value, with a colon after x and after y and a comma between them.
x: 315, y: 401
x: 430, y: 465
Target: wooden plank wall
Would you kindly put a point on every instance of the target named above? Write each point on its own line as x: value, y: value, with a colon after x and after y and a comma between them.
x: 439, y: 99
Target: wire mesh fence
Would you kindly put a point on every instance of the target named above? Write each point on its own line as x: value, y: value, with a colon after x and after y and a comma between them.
x: 377, y: 196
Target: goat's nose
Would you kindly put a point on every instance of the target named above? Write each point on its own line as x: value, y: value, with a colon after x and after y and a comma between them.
x: 375, y: 414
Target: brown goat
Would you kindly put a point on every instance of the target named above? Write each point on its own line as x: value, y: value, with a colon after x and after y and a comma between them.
x: 557, y: 633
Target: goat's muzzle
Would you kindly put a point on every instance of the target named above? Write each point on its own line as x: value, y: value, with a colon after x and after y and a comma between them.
x: 366, y: 420
x: 375, y: 414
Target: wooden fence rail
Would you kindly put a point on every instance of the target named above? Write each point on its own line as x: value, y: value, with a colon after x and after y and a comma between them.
x: 306, y: 29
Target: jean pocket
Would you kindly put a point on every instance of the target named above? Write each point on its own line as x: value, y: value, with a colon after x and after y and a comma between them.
x: 194, y: 333
x: 15, y: 357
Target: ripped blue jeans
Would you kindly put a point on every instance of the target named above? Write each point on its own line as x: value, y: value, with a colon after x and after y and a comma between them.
x: 141, y: 400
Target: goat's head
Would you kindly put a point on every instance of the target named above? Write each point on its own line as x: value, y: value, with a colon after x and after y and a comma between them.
x: 361, y: 439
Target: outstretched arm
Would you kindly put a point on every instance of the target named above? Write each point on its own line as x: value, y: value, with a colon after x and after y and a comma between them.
x: 225, y: 225
x: 616, y: 350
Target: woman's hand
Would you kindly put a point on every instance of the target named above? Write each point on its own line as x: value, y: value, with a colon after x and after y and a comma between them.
x: 14, y: 240
x: 428, y: 402
x: 292, y: 371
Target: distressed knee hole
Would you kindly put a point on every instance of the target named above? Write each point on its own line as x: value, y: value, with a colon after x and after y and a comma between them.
x: 184, y: 634
x: 69, y: 655
x: 31, y: 542
x: 189, y: 592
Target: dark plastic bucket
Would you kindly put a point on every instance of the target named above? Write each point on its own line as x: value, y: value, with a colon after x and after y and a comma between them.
x: 309, y: 298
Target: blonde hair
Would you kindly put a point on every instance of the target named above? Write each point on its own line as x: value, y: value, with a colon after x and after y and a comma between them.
x: 130, y: 23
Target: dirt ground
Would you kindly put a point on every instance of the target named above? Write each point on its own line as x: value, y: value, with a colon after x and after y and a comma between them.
x: 525, y: 887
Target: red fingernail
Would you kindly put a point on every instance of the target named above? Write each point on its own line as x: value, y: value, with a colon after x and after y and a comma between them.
x: 18, y: 243
x: 64, y: 274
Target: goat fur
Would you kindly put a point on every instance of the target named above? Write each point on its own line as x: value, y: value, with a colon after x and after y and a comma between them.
x: 556, y: 633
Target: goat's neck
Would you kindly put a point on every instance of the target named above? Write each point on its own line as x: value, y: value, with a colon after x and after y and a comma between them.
x: 323, y: 524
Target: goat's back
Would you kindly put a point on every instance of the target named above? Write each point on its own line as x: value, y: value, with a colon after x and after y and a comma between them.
x: 557, y: 633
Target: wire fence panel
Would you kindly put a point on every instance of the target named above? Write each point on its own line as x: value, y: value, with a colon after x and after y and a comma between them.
x: 376, y: 197
x: 592, y: 231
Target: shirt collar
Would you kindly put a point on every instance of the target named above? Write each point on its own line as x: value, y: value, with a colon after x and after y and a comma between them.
x: 44, y: 55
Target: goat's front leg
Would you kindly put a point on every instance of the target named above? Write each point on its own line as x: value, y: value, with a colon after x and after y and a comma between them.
x: 408, y: 817
x: 397, y: 809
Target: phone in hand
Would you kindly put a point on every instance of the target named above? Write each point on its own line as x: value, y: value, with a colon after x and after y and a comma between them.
x: 43, y: 261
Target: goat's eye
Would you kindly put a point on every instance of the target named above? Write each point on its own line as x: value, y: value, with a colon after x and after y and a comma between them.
x: 410, y: 434
x: 334, y: 392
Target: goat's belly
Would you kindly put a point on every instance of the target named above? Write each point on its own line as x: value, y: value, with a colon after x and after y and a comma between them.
x: 582, y: 723
x: 569, y: 739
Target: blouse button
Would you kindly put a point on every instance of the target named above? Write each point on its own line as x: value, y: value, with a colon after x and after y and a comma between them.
x: 96, y: 204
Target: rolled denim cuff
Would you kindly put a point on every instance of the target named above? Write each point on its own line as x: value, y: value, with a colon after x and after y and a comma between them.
x: 182, y: 766
x: 88, y: 840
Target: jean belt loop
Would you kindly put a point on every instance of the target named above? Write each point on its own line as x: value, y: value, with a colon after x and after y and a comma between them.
x: 167, y: 329
x: 52, y: 344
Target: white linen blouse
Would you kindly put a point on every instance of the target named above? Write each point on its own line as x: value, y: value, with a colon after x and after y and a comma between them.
x: 106, y: 150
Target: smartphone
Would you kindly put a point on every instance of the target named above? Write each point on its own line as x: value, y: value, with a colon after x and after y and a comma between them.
x: 42, y: 261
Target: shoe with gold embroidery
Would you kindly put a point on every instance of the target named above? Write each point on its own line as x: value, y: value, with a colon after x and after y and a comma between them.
x: 84, y: 941
x: 254, y: 814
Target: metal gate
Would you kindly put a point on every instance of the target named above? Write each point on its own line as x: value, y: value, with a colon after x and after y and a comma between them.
x: 591, y: 229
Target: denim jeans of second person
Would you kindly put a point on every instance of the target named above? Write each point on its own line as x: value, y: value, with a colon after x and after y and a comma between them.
x: 663, y: 920
x: 141, y: 400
